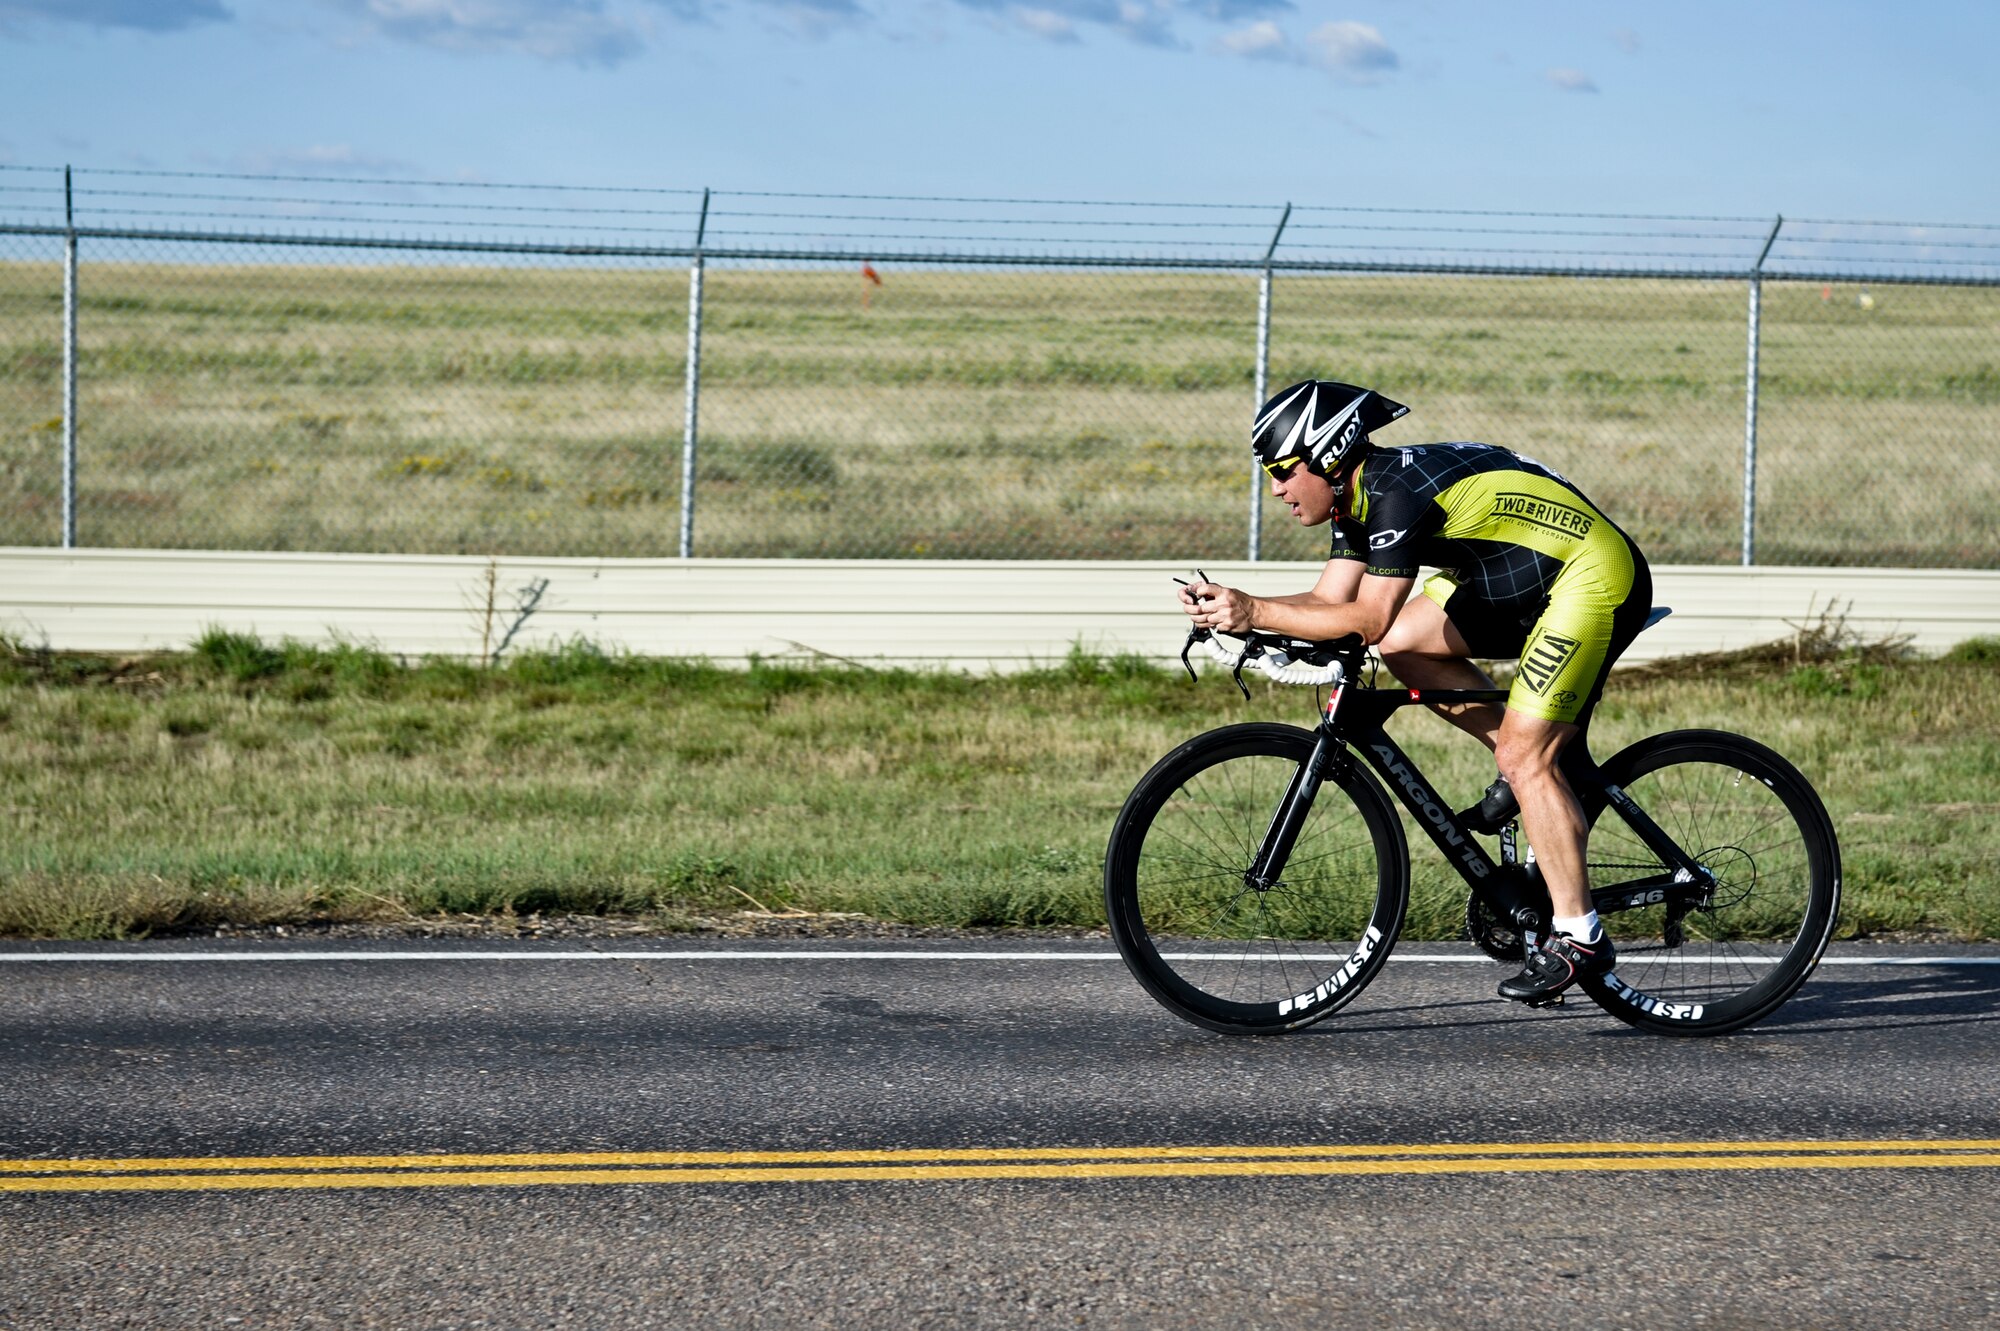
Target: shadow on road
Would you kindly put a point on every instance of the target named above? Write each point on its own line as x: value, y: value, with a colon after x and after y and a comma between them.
x: 1895, y: 996
x: 1898, y: 996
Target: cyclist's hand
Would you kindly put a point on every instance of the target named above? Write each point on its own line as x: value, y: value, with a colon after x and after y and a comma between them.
x: 1223, y: 609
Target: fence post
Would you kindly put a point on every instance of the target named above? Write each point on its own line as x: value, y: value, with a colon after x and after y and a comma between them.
x: 1750, y: 397
x: 690, y: 431
x: 1263, y: 383
x: 69, y: 369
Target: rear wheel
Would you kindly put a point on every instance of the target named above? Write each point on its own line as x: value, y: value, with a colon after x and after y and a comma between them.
x: 1757, y: 828
x: 1207, y: 943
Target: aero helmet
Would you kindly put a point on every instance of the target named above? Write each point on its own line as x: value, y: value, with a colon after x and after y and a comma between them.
x: 1319, y: 423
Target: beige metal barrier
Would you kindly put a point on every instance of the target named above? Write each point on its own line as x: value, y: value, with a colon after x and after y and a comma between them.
x: 972, y: 615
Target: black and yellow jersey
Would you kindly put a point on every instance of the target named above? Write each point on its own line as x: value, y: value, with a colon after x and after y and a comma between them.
x: 1529, y: 567
x: 1503, y: 527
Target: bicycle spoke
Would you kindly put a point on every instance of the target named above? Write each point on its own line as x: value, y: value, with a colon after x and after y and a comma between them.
x: 1747, y: 945
x: 1256, y: 949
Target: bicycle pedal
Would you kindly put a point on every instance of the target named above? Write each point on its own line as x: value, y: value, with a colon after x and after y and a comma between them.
x: 1553, y: 1000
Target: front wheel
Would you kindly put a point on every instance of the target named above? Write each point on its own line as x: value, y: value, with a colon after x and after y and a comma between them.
x: 1757, y: 829
x: 1187, y: 915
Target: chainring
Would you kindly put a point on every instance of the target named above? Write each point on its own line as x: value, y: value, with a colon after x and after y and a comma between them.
x: 1498, y: 938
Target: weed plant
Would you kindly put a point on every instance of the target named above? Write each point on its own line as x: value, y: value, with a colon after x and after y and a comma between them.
x: 247, y: 783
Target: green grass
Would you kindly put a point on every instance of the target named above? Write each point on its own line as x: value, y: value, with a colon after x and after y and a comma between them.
x: 247, y: 783
x: 964, y: 414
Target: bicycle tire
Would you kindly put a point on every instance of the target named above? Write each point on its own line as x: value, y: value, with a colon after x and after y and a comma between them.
x: 1212, y: 949
x: 1750, y: 818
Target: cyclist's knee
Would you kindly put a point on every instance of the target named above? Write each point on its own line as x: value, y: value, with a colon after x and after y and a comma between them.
x: 1528, y: 755
x: 1518, y: 764
x: 1398, y: 643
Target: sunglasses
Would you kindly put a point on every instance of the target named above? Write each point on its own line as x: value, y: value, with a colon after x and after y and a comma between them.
x: 1282, y: 469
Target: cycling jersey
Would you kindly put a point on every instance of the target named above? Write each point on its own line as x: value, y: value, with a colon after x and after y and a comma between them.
x: 1530, y: 567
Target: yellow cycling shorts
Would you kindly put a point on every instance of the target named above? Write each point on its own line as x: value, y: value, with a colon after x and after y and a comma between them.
x: 1597, y: 605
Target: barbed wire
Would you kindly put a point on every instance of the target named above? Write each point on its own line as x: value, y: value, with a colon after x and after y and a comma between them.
x: 1913, y: 226
x: 958, y: 198
x: 1504, y: 231
x: 312, y: 208
x: 377, y: 221
x: 1919, y: 243
x: 376, y: 180
x: 1505, y: 212
x: 387, y: 203
x: 1258, y: 227
x: 1886, y: 243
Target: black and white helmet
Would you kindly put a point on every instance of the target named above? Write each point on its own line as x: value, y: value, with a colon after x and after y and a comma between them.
x: 1319, y: 423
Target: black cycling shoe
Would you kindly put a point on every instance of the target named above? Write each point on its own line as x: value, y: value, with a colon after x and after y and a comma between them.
x: 1556, y: 965
x: 1496, y: 808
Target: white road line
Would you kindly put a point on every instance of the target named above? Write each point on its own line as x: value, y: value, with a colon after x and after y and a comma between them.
x: 838, y: 955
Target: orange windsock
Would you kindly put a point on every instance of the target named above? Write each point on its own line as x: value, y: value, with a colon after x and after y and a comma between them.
x: 868, y: 271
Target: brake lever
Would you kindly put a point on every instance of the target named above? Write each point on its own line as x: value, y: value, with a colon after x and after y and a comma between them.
x: 1194, y: 636
x: 1237, y: 674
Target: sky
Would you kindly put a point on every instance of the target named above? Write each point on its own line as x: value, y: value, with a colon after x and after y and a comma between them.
x: 1833, y: 109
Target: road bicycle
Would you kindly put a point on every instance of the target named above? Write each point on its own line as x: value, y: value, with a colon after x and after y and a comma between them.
x: 1258, y: 875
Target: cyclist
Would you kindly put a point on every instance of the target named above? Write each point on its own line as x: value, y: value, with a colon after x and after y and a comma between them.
x: 1531, y: 570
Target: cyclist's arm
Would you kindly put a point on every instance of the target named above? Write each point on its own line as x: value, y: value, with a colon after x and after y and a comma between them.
x: 1346, y: 599
x: 1336, y: 584
x: 1361, y: 602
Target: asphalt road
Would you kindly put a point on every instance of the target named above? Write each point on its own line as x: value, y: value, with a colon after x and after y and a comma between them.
x: 503, y: 1137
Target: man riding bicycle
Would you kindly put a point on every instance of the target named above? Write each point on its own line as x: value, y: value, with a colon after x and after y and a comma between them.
x: 1531, y: 570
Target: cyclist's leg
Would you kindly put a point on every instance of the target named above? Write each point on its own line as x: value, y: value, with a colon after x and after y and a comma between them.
x: 1426, y: 648
x: 1541, y: 705
x: 1527, y: 748
x: 1589, y: 622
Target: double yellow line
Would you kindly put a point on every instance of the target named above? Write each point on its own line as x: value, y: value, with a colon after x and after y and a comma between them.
x: 201, y: 1174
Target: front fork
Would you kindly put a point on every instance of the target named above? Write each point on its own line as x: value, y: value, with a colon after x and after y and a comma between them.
x: 1268, y: 868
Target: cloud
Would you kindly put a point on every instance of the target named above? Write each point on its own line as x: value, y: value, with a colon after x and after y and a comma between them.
x: 573, y: 31
x: 1352, y: 52
x: 1148, y: 24
x: 1571, y: 80
x: 146, y: 15
x: 1263, y: 40
x: 1233, y: 11
x: 807, y: 18
x: 1046, y: 24
x: 1626, y: 40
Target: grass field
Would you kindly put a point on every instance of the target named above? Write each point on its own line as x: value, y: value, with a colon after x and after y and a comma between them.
x: 965, y: 413
x: 246, y: 784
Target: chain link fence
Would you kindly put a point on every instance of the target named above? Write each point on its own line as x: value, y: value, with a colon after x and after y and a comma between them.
x: 895, y: 378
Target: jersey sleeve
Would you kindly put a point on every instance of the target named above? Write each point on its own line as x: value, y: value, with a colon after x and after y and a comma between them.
x: 1350, y: 541
x: 1399, y: 521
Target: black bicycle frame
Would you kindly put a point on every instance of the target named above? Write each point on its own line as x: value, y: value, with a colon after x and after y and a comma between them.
x: 1354, y: 722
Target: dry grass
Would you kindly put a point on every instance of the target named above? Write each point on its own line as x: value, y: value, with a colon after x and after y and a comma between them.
x: 966, y: 413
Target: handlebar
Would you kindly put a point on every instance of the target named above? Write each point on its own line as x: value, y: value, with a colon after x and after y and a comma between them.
x: 1284, y: 659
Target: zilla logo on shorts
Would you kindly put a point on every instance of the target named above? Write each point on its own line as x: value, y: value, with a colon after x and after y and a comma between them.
x: 1544, y: 659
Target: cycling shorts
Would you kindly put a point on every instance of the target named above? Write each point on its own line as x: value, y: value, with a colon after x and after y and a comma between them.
x: 1595, y: 608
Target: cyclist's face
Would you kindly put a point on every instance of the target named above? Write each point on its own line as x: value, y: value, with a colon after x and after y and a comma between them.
x: 1310, y: 496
